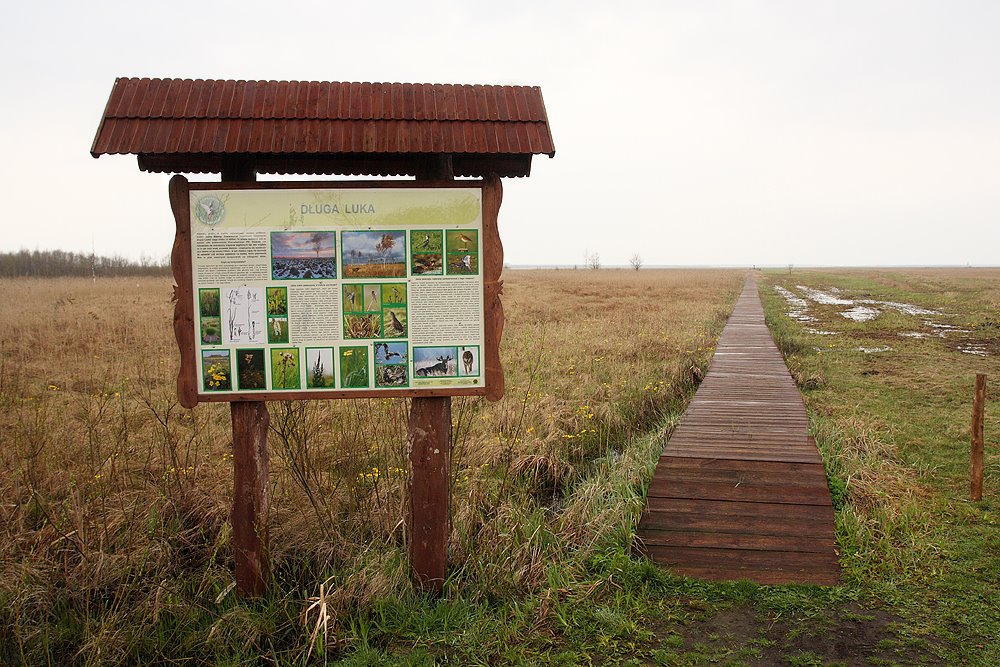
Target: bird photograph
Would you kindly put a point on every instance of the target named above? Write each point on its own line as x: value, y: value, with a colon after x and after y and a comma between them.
x: 426, y: 264
x: 372, y: 299
x: 394, y: 326
x: 390, y: 353
x: 462, y: 263
x: 462, y: 240
x: 426, y: 240
x: 353, y: 299
x: 393, y: 294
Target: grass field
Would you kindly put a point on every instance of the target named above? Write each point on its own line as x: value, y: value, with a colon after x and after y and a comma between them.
x: 375, y: 270
x: 890, y: 401
x: 115, y: 547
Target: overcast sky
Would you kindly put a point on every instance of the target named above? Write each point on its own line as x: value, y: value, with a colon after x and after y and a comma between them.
x: 735, y: 133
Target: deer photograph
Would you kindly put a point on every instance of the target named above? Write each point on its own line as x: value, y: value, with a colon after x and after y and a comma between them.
x: 434, y: 362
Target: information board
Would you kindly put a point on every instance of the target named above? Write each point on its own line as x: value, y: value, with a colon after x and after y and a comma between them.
x: 336, y: 289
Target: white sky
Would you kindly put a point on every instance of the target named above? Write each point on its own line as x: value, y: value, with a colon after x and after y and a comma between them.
x: 738, y: 133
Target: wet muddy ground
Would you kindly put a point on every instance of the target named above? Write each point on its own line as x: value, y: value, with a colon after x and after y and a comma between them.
x: 843, y: 636
x: 827, y: 306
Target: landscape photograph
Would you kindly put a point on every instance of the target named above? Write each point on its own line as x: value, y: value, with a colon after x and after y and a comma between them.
x: 378, y: 254
x: 671, y: 339
x: 303, y: 255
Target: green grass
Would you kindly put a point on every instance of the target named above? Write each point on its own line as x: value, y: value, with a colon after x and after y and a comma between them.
x: 894, y: 430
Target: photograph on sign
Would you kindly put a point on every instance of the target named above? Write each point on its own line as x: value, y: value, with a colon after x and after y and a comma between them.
x: 334, y: 289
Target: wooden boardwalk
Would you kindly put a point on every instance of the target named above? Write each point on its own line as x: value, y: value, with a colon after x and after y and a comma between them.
x: 740, y: 492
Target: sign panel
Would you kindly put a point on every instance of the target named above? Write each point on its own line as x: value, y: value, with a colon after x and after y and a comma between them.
x: 346, y: 289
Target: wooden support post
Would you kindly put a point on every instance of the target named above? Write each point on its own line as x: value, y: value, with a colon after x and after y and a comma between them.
x: 250, y: 498
x: 429, y: 442
x: 978, y: 409
x: 250, y: 464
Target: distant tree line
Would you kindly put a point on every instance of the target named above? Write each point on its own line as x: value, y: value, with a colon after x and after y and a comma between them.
x: 54, y: 263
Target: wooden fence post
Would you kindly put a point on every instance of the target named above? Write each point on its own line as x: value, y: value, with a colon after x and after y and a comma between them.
x: 428, y: 439
x: 250, y: 464
x: 978, y: 409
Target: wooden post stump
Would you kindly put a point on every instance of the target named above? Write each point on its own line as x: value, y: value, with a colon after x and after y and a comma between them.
x: 978, y: 409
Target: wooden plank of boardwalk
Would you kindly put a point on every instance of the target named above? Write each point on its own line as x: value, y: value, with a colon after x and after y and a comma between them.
x: 739, y: 491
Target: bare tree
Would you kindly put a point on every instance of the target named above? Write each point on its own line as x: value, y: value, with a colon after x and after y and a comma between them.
x: 636, y: 261
x: 594, y: 261
x: 385, y: 246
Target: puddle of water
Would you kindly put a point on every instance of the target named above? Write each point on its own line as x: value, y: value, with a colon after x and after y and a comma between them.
x: 824, y: 297
x: 861, y: 313
x: 864, y: 310
x: 798, y: 304
x: 974, y: 348
x: 905, y: 308
x: 942, y: 330
x: 790, y: 296
x: 872, y: 350
x: 944, y: 327
x: 861, y: 310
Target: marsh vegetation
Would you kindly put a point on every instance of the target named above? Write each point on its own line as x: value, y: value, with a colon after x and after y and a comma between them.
x: 116, y: 549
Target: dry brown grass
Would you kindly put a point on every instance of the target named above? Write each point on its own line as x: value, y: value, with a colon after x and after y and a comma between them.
x: 117, y: 497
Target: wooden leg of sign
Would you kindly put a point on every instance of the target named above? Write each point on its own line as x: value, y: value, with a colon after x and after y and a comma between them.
x: 978, y: 410
x: 250, y: 461
x: 250, y: 501
x: 429, y: 441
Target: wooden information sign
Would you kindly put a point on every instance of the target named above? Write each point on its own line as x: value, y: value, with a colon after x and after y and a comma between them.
x: 299, y: 290
x: 310, y: 290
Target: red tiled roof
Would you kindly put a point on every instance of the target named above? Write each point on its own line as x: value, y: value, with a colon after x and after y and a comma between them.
x: 174, y: 123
